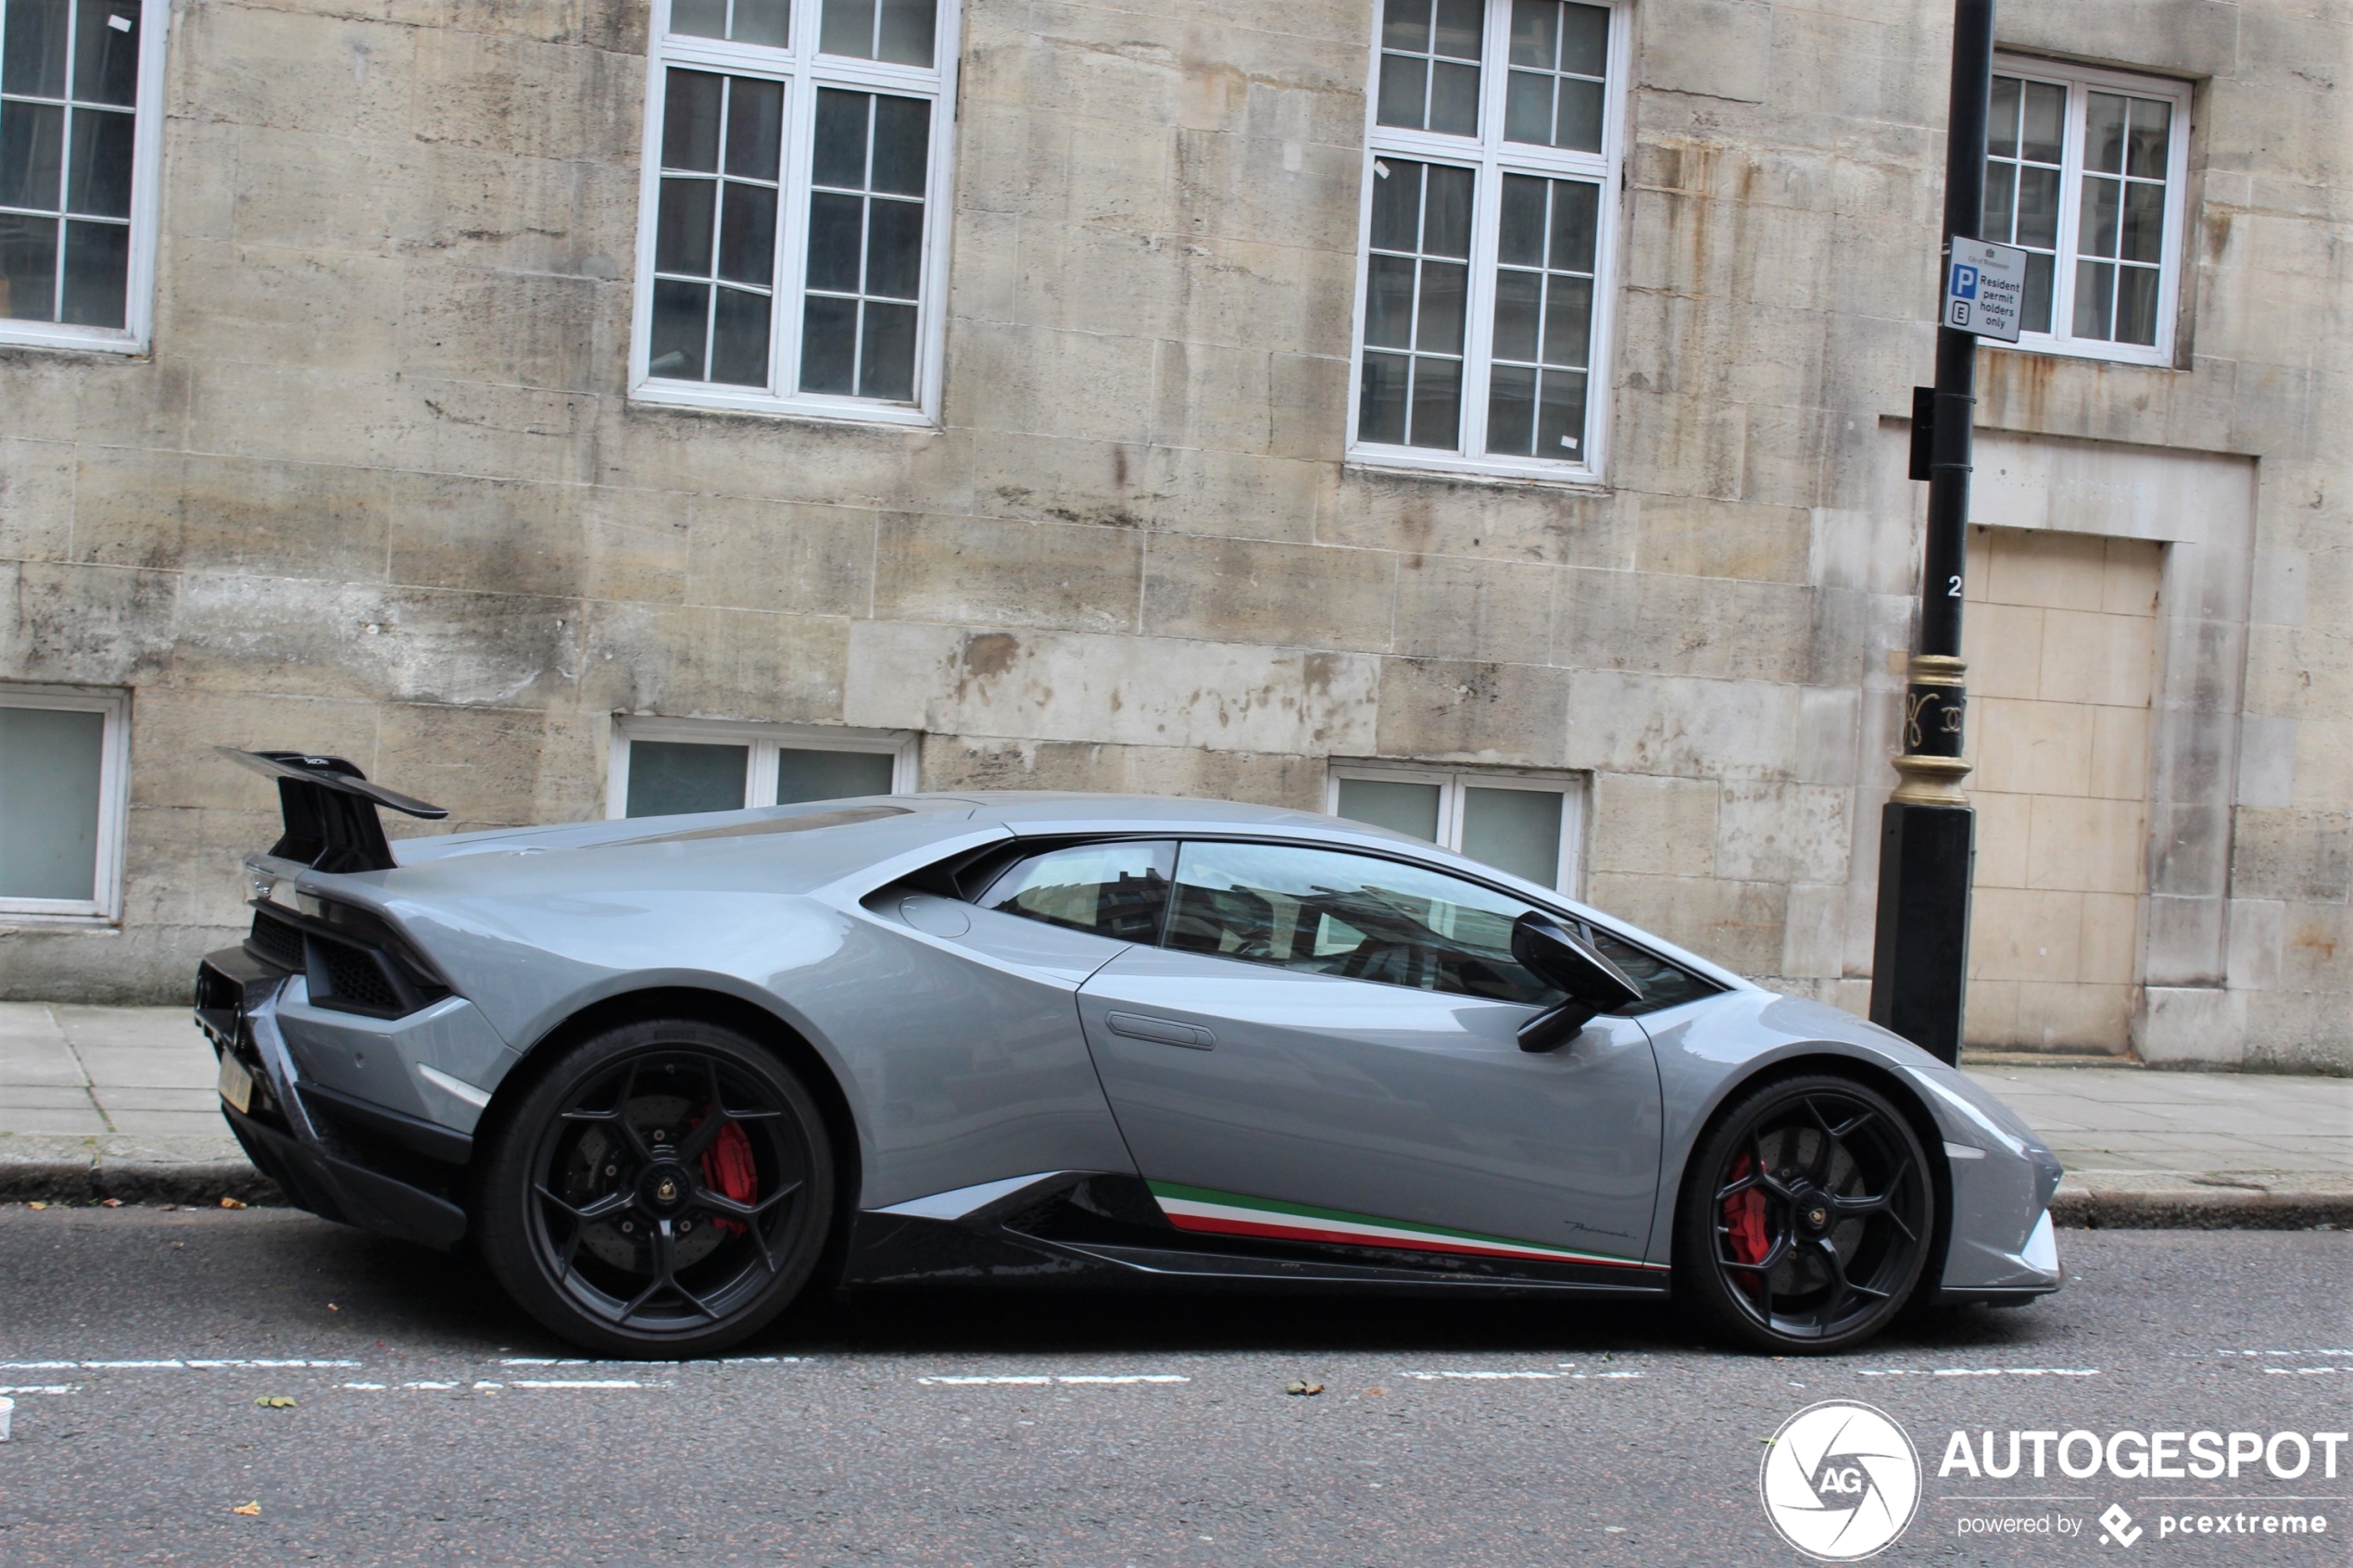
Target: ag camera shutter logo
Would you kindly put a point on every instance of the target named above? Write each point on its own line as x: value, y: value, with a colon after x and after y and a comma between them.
x: 1840, y: 1481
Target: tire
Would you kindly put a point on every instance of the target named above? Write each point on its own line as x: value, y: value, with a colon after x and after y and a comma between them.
x: 1805, y: 1217
x: 620, y: 1213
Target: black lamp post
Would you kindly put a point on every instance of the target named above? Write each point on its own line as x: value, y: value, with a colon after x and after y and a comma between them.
x: 1919, y: 959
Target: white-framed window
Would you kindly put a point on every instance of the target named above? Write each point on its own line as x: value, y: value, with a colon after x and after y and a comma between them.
x: 65, y: 759
x: 792, y: 248
x: 2086, y: 170
x: 80, y: 155
x: 1484, y: 305
x: 1530, y: 825
x: 661, y: 767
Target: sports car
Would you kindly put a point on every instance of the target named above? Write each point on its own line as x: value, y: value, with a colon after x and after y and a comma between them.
x: 667, y: 1074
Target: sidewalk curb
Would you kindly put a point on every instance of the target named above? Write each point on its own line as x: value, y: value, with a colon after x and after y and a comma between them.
x: 2201, y: 1208
x: 192, y: 1183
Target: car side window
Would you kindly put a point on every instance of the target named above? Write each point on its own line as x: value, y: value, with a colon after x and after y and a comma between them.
x: 1117, y: 890
x: 1664, y: 985
x: 1355, y: 916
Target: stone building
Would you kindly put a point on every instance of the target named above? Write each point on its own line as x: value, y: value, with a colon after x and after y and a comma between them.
x: 1488, y: 418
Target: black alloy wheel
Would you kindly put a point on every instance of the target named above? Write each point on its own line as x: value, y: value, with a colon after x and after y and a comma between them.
x: 664, y: 1189
x: 1805, y: 1217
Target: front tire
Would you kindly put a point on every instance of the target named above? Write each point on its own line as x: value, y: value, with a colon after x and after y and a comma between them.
x: 1805, y: 1216
x: 662, y: 1190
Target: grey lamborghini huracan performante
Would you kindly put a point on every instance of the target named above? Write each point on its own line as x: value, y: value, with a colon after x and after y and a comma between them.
x: 668, y: 1074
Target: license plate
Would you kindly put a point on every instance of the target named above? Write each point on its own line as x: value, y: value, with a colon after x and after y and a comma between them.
x: 236, y: 1083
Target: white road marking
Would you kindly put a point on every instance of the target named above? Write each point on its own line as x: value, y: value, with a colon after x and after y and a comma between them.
x: 369, y: 1387
x: 212, y: 1363
x: 42, y: 1388
x: 1979, y: 1372
x: 2283, y: 1352
x: 1040, y: 1380
x: 585, y: 1383
x: 974, y: 1382
x: 2274, y: 1371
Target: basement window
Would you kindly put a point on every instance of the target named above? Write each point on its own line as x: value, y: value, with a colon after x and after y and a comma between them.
x: 1529, y: 824
x: 80, y: 146
x: 792, y: 253
x: 64, y: 756
x: 665, y: 767
x: 2085, y: 171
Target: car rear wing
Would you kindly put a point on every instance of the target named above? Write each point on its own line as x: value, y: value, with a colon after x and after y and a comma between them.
x: 328, y: 807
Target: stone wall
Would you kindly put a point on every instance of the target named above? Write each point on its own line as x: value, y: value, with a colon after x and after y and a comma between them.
x: 379, y: 488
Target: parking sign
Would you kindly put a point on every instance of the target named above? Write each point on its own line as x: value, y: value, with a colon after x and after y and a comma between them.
x: 1984, y: 285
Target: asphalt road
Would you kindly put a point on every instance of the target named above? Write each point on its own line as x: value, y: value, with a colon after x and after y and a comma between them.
x: 432, y: 1424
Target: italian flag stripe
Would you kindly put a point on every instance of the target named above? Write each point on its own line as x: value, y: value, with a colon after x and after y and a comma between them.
x: 1227, y: 1213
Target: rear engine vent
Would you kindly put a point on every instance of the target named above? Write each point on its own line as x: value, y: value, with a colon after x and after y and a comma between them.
x: 275, y: 941
x: 356, y: 980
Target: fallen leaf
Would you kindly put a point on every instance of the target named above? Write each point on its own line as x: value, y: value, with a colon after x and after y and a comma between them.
x: 110, y: 1203
x: 1298, y: 1387
x: 275, y: 1402
x: 169, y: 1208
x: 250, y: 1510
x: 1374, y: 1393
x: 233, y: 1203
x: 332, y: 1308
x: 36, y: 1205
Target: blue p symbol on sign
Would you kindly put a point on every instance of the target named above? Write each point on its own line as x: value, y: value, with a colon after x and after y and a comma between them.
x: 1964, y: 282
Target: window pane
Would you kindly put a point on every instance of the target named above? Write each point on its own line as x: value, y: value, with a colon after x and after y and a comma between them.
x: 1663, y: 984
x: 699, y: 18
x: 1519, y: 305
x: 887, y: 358
x: 667, y: 777
x: 97, y: 279
x: 31, y: 154
x: 1389, y: 302
x: 1579, y: 122
x: 830, y: 775
x: 1528, y: 108
x: 840, y: 156
x: 2001, y: 201
x: 690, y: 121
x: 2144, y: 222
x: 2044, y: 122
x: 98, y: 176
x: 1438, y: 328
x: 1447, y: 211
x: 1459, y: 30
x: 829, y: 345
x: 836, y: 229
x: 1577, y: 215
x: 2095, y: 224
x: 1380, y: 414
x: 748, y: 234
x: 1560, y: 416
x: 1397, y: 204
x: 2035, y: 316
x: 1350, y: 916
x: 1511, y: 410
x: 1403, y: 81
x: 902, y: 137
x: 1114, y: 890
x: 1410, y: 809
x: 1520, y: 239
x: 2094, y: 289
x: 1405, y: 24
x: 35, y: 62
x: 763, y: 22
x: 848, y: 28
x: 1437, y: 404
x: 106, y: 55
x: 2146, y: 145
x: 1454, y: 99
x: 50, y: 763
x: 1536, y: 32
x: 739, y: 338
x: 2104, y: 133
x: 894, y: 248
x: 2038, y: 202
x: 2001, y: 123
x: 2137, y: 305
x: 1585, y: 39
x: 1517, y: 830
x: 675, y: 344
x: 28, y: 268
x: 755, y: 127
x: 1568, y: 321
x: 681, y: 229
x: 907, y: 31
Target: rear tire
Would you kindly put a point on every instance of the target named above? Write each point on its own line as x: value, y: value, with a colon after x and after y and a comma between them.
x: 662, y: 1190
x: 1805, y: 1217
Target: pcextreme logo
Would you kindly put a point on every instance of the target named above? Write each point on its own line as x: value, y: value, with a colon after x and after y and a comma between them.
x: 1840, y: 1481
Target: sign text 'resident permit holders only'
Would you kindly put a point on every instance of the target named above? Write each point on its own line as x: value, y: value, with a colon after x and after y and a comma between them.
x: 1984, y: 284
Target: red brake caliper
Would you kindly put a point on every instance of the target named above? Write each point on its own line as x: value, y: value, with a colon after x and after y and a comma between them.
x: 1743, y: 1219
x: 727, y: 1165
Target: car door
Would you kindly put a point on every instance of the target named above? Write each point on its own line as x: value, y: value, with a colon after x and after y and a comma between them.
x: 1322, y: 1048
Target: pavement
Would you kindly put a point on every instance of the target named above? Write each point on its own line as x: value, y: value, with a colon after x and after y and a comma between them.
x: 118, y: 1102
x: 261, y: 1387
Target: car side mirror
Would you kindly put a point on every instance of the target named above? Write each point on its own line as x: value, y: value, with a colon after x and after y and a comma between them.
x: 1557, y: 956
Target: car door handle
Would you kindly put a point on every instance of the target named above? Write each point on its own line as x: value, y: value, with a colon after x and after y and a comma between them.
x: 1164, y: 1030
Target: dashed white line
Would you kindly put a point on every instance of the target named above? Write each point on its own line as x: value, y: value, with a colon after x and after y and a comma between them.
x: 209, y: 1364
x: 1979, y: 1372
x: 1484, y: 1377
x: 41, y: 1388
x: 1040, y: 1380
